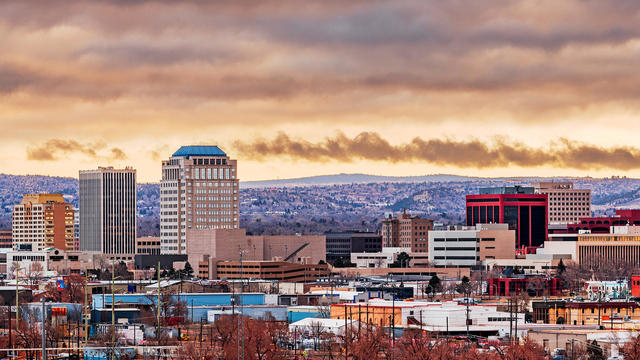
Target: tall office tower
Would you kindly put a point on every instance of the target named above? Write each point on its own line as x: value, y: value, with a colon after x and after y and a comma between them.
x: 199, y: 190
x: 566, y: 204
x: 517, y: 206
x: 42, y: 221
x: 108, y: 210
x: 406, y: 231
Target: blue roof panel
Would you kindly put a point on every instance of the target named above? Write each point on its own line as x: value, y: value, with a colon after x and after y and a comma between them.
x: 193, y: 150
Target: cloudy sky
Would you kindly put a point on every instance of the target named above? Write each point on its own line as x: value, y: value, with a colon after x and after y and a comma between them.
x: 300, y: 88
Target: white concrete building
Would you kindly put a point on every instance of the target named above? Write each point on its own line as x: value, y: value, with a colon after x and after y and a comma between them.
x: 470, y: 245
x: 388, y: 256
x: 313, y: 326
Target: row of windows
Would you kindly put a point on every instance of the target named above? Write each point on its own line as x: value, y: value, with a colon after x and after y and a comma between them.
x: 214, y: 198
x: 204, y: 206
x: 203, y: 227
x: 206, y: 173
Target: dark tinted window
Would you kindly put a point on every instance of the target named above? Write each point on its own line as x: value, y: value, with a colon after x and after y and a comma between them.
x: 538, y: 225
x: 524, y: 226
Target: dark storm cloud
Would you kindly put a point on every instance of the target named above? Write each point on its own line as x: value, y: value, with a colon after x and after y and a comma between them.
x: 53, y: 149
x: 447, y: 152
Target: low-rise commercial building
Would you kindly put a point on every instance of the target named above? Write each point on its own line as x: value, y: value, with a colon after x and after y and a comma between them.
x: 387, y: 256
x: 445, y: 317
x: 611, y: 314
x: 468, y: 246
x: 50, y: 262
x: 208, y: 246
x: 531, y: 264
x: 621, y: 244
x: 270, y: 270
x: 340, y: 245
x: 149, y: 245
x: 531, y: 285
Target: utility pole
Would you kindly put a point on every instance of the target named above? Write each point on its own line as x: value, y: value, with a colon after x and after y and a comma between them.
x: 17, y: 309
x: 86, y: 309
x: 510, y: 320
x: 393, y: 321
x: 158, y: 308
x: 516, y: 329
x: 241, y: 308
x: 113, y: 308
x: 44, y: 317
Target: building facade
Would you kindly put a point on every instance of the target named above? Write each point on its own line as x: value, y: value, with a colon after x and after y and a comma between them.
x: 566, y: 205
x: 198, y: 190
x: 108, y: 210
x: 469, y: 246
x: 207, y: 247
x: 6, y: 239
x: 603, y: 224
x: 42, y: 221
x: 524, y: 212
x: 341, y: 245
x: 406, y: 231
x: 270, y: 270
x: 149, y: 245
x: 387, y: 256
x: 621, y: 245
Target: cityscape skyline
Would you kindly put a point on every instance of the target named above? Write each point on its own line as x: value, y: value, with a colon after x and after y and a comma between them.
x: 88, y: 84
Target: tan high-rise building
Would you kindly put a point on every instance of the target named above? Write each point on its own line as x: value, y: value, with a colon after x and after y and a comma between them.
x: 198, y: 190
x: 406, y: 231
x: 42, y: 221
x: 566, y: 205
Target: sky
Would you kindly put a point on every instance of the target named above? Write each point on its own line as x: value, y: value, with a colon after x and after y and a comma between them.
x: 303, y: 88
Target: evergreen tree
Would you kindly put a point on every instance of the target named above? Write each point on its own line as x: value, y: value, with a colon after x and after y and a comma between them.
x: 561, y: 267
x: 188, y: 271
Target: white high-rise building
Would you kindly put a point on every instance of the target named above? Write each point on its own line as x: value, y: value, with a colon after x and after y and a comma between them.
x: 108, y: 210
x: 199, y: 190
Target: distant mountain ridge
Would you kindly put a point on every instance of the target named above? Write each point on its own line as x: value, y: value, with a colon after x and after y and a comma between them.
x: 341, y: 179
x: 337, y: 179
x: 331, y: 202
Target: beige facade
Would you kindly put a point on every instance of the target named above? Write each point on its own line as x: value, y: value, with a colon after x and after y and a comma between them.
x: 198, y: 190
x: 594, y: 248
x: 43, y: 221
x: 270, y: 270
x: 566, y: 205
x: 149, y: 245
x: 207, y: 247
